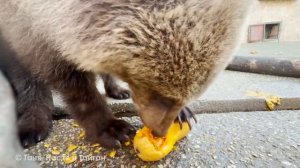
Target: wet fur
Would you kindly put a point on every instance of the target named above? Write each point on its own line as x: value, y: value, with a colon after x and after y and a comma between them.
x: 168, y: 51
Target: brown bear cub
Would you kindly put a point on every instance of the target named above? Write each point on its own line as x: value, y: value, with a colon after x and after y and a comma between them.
x: 168, y: 51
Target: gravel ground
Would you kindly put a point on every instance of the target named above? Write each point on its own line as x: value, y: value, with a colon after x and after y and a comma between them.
x: 256, y: 139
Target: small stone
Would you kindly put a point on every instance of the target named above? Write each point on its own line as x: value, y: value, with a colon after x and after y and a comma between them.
x: 168, y: 161
x: 231, y: 166
x: 255, y: 155
x: 286, y: 163
x: 197, y: 146
x: 243, y: 160
x: 230, y: 150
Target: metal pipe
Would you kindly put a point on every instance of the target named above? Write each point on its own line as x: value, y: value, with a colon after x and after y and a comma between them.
x: 266, y: 65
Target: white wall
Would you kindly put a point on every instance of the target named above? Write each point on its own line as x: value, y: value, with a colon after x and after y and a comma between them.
x: 285, y: 11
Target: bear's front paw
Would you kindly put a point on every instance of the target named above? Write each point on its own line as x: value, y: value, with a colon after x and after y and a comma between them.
x: 34, y: 125
x: 118, y: 93
x: 112, y: 134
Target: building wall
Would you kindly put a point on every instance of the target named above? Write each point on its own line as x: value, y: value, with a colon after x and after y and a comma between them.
x: 287, y: 12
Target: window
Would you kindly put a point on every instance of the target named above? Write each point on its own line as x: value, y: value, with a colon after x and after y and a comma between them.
x: 264, y: 32
x: 272, y: 31
x: 256, y: 33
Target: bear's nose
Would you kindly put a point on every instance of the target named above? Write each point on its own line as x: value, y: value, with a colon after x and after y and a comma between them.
x: 158, y: 119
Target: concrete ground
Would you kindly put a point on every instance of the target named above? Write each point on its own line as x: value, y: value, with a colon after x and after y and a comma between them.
x: 256, y: 139
x: 232, y: 85
x: 271, y: 49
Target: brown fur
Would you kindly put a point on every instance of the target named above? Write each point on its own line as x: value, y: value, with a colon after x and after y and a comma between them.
x: 34, y: 104
x: 168, y: 51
